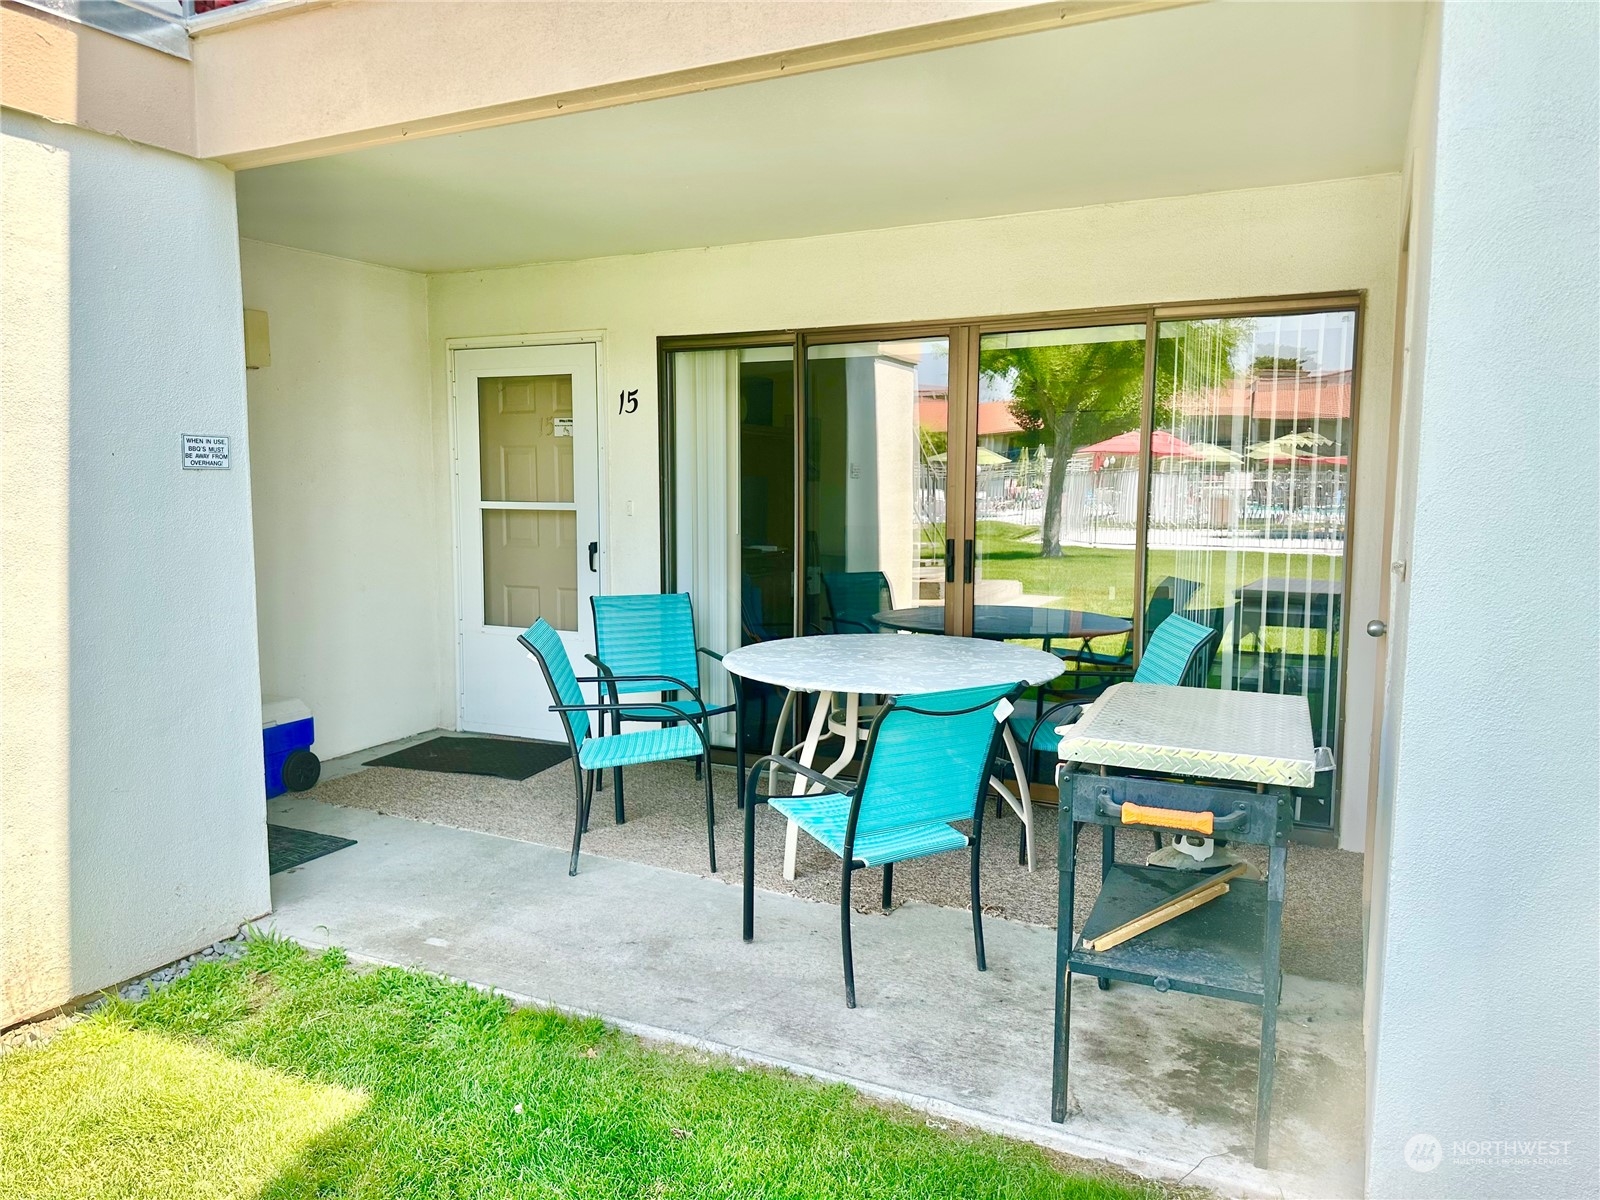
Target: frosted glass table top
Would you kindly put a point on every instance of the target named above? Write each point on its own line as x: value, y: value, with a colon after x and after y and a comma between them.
x: 1242, y: 737
x: 889, y: 664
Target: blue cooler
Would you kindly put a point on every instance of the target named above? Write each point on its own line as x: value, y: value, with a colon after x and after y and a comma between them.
x: 286, y: 736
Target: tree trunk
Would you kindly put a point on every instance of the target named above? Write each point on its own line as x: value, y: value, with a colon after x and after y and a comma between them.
x: 1060, y: 456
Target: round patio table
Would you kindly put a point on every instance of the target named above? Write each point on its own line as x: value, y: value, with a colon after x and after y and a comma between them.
x: 852, y: 665
x: 1004, y: 621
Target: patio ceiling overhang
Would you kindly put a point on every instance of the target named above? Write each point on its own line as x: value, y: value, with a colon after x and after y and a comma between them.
x: 1207, y: 98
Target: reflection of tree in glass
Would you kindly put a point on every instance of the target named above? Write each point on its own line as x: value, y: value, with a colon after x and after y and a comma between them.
x: 1068, y: 396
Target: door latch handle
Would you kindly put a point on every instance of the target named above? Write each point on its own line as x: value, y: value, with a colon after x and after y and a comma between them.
x: 949, y: 560
x: 967, y: 571
x: 594, y: 556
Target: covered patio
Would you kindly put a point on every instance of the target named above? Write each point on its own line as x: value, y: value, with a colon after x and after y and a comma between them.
x: 644, y: 254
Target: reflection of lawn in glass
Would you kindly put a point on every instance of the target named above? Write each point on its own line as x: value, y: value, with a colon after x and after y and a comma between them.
x: 1100, y: 579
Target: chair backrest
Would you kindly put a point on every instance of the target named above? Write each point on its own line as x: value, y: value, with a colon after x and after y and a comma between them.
x: 927, y: 758
x: 545, y: 644
x: 1172, y: 594
x: 855, y: 597
x: 1172, y: 649
x: 647, y: 635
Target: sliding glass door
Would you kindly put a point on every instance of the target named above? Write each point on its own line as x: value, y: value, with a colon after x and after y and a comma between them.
x: 877, y: 470
x: 1248, y: 508
x: 1056, y: 487
x: 732, y: 430
x: 1065, y: 483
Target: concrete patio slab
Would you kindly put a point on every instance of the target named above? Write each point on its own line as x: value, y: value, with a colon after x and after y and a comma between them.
x: 1162, y: 1084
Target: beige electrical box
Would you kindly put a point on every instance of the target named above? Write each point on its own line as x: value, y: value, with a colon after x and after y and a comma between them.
x: 257, y: 345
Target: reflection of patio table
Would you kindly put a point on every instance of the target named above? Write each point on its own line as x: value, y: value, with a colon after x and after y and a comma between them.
x: 1001, y: 622
x: 1229, y: 758
x: 852, y: 665
x: 1284, y: 603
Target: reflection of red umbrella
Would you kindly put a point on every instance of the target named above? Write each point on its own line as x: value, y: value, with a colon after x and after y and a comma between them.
x: 1162, y: 445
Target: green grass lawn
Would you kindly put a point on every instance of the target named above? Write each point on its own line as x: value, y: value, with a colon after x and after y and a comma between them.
x: 290, y: 1074
x: 1100, y: 579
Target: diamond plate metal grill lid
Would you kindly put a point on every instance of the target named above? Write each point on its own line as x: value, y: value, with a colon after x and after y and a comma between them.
x: 1242, y: 737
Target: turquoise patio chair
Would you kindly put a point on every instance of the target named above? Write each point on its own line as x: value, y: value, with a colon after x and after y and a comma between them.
x: 593, y: 753
x: 649, y: 639
x: 855, y: 598
x: 926, y: 764
x: 1170, y: 657
x: 1171, y: 595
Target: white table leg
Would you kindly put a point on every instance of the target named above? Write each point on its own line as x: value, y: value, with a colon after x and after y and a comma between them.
x: 1022, y: 803
x: 784, y: 714
x: 808, y: 753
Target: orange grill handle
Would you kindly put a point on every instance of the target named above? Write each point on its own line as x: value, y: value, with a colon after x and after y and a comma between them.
x: 1167, y: 818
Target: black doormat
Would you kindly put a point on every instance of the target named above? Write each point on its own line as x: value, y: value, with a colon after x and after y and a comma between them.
x: 288, y: 847
x: 507, y: 758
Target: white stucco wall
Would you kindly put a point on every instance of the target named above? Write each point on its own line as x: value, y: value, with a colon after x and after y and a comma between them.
x: 1272, y: 241
x: 341, y: 433
x: 132, y: 827
x: 1483, y: 1023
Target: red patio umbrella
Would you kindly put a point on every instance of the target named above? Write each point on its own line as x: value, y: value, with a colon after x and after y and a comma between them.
x: 1162, y: 445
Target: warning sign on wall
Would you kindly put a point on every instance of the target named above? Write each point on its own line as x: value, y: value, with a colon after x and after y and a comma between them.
x: 205, y: 452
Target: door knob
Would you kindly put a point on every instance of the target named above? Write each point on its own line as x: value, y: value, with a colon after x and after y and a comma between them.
x: 1376, y: 629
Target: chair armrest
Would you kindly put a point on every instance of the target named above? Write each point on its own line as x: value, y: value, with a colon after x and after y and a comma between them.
x: 633, y: 707
x: 712, y: 654
x: 788, y: 764
x: 609, y: 677
x: 1047, y: 718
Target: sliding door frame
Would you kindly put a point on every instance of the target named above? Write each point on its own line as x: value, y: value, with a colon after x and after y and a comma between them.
x: 964, y: 338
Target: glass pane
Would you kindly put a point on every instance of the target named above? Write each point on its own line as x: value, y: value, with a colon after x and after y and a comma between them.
x: 1058, y: 493
x: 1249, y: 503
x: 530, y: 567
x: 525, y: 438
x: 734, y: 520
x: 877, y: 434
x: 766, y: 493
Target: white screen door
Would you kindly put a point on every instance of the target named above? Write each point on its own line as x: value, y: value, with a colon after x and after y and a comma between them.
x: 527, y: 503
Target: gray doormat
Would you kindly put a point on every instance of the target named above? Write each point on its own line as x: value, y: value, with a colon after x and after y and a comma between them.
x: 288, y: 847
x: 504, y: 758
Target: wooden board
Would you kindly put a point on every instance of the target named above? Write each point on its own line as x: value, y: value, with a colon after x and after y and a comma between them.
x: 1207, y: 890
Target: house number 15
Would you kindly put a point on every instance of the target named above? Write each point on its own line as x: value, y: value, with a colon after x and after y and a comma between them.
x: 628, y: 402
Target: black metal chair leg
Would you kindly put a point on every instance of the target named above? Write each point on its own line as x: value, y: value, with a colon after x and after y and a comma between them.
x: 711, y: 814
x: 749, y: 880
x: 888, y: 886
x: 578, y: 817
x: 698, y: 769
x: 844, y: 938
x: 977, y: 904
x: 589, y: 778
x: 617, y: 810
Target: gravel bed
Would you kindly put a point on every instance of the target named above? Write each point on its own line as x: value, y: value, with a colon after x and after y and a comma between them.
x: 34, y: 1033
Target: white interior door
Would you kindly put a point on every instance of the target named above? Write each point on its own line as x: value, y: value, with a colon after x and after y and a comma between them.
x: 527, y: 524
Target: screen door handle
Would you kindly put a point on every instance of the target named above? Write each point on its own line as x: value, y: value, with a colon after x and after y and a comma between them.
x: 949, y: 560
x: 594, y: 555
x: 967, y: 573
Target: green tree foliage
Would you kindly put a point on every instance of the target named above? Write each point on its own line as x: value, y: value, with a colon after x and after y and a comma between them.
x: 1066, y: 397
